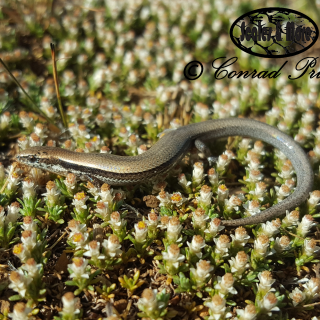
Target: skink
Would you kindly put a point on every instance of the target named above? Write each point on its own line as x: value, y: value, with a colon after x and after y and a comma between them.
x: 168, y: 151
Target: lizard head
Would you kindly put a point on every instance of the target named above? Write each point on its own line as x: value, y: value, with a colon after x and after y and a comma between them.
x: 38, y: 157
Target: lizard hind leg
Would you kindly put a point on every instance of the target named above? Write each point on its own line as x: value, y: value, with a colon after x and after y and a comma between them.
x: 203, y: 148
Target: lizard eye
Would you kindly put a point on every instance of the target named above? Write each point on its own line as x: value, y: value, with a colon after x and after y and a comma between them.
x: 32, y: 159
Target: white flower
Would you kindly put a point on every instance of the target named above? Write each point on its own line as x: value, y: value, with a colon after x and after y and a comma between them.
x: 250, y: 156
x: 53, y: 193
x: 255, y: 176
x: 13, y: 181
x: 286, y: 172
x: 196, y: 245
x: 217, y: 308
x: 198, y: 173
x: 164, y: 198
x: 261, y: 245
x: 13, y: 212
x: 297, y: 296
x: 174, y: 229
x: 79, y: 201
x: 280, y: 155
x: 310, y: 248
x: 270, y: 228
x: 164, y: 221
x: 148, y: 299
x: 266, y: 282
x: 75, y: 227
x: 240, y: 263
x: 244, y: 144
x: 199, y: 219
x: 214, y: 227
x: 213, y: 177
x: 4, y: 120
x: 40, y: 131
x: 78, y: 268
x: 273, y: 114
x: 153, y: 219
x: 289, y: 114
x: 291, y: 218
x: 22, y: 252
x: 202, y: 272
x: 312, y: 288
x: 149, y: 302
x: 19, y: 282
x: 29, y: 239
x: 103, y: 209
x: 21, y: 312
x: 268, y: 303
x: 240, y: 238
x: 202, y: 110
x: 223, y: 193
x: 93, y: 248
x: 232, y: 204
x: 259, y: 191
x: 282, y: 244
x: 106, y: 193
x: 223, y: 161
x: 258, y: 147
x: 225, y: 285
x: 25, y: 120
x: 254, y: 164
x: 115, y: 220
x: 112, y: 246
x: 249, y: 313
x: 205, y: 196
x: 173, y: 255
x: 32, y: 268
x: 28, y: 188
x: 177, y: 199
x: 222, y: 245
x: 252, y: 207
x: 282, y: 192
x: 305, y: 225
x: 314, y: 198
x: 91, y: 188
x: 141, y: 230
x: 229, y: 154
x: 69, y: 304
x: 79, y: 239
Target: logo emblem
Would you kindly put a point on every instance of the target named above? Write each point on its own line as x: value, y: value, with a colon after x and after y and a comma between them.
x: 274, y: 32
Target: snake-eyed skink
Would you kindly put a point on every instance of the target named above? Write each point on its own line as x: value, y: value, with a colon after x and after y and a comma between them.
x: 168, y: 151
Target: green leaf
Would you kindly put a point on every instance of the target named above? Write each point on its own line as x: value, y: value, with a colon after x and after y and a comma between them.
x: 78, y: 291
x: 165, y: 211
x: 16, y: 297
x: 251, y: 276
x: 136, y: 276
x: 188, y: 232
